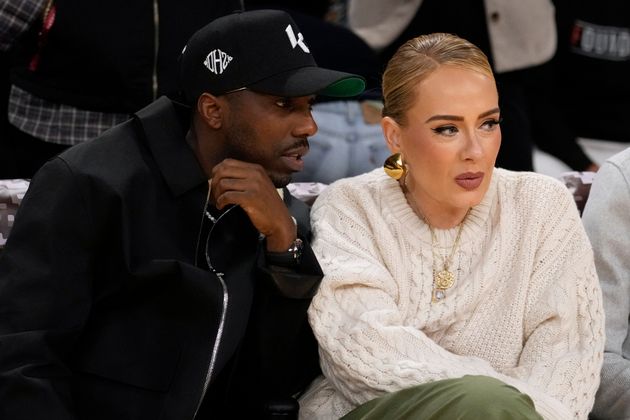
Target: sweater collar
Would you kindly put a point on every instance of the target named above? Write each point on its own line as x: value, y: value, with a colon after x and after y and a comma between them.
x: 164, y: 124
x: 397, y: 203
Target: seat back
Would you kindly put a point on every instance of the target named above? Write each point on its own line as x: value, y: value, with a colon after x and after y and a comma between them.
x: 11, y: 193
x: 579, y: 183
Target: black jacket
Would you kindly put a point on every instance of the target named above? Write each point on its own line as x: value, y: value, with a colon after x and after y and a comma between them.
x: 114, y: 55
x: 107, y: 309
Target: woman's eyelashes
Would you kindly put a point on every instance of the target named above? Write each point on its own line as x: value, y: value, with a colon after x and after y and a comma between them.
x: 491, y: 124
x: 446, y: 130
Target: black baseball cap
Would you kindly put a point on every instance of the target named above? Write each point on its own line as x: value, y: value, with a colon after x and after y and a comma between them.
x: 262, y: 50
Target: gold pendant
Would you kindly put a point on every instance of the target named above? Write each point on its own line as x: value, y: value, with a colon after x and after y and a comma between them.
x: 444, y: 279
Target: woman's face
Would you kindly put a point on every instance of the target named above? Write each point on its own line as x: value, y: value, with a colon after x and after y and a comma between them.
x: 450, y: 140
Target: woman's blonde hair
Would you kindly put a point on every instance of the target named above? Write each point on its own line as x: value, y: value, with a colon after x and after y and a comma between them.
x: 416, y: 59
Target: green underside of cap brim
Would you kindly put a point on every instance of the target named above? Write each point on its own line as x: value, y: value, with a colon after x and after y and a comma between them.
x: 351, y: 86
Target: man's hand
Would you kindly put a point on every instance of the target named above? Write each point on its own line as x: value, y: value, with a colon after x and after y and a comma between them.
x: 248, y: 186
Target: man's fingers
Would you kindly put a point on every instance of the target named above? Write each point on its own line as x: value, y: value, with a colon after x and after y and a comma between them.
x: 226, y: 198
x: 221, y: 185
x: 251, y: 191
x: 248, y: 186
x: 231, y: 168
x: 247, y: 178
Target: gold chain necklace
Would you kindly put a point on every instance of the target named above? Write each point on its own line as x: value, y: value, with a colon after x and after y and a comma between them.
x: 443, y: 279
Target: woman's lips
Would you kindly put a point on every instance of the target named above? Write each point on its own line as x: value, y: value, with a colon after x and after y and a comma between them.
x: 469, y: 180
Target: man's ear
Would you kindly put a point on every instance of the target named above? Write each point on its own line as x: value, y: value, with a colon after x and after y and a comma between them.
x: 210, y: 108
x: 392, y: 133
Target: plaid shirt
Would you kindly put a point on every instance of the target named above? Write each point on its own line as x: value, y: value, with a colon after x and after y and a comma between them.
x: 46, y: 120
x: 16, y: 16
x: 57, y: 123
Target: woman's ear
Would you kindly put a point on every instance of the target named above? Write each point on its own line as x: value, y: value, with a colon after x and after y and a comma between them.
x: 392, y: 133
x: 210, y: 108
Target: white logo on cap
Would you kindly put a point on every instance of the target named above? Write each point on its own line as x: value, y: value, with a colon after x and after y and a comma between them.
x: 217, y: 61
x: 296, y: 41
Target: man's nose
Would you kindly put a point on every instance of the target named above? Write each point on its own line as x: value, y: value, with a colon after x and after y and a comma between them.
x: 307, y: 126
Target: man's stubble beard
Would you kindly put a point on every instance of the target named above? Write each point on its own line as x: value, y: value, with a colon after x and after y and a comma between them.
x: 239, y: 141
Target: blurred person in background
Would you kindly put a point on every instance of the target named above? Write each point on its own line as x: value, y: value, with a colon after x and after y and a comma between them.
x: 349, y: 140
x: 517, y: 37
x: 582, y: 118
x: 607, y: 221
x: 79, y: 67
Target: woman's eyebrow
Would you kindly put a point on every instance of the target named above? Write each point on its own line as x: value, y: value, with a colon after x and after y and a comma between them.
x: 458, y: 118
x: 445, y: 117
x: 490, y: 112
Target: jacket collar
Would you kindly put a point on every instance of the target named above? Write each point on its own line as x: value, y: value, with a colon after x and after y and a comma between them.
x: 165, y: 123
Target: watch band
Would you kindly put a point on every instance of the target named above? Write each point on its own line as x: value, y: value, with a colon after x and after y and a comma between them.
x: 289, y: 258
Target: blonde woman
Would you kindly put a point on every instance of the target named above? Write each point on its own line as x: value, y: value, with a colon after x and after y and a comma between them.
x: 452, y: 289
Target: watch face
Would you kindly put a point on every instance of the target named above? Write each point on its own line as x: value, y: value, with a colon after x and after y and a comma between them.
x: 296, y: 246
x: 296, y: 249
x: 288, y: 258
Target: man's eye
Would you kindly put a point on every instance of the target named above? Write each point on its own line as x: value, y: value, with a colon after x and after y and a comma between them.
x: 284, y: 103
x: 446, y: 130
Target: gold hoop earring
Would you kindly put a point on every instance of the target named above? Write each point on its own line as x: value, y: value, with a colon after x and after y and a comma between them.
x: 395, y: 167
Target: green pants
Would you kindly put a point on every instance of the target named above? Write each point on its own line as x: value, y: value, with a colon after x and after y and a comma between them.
x: 467, y: 398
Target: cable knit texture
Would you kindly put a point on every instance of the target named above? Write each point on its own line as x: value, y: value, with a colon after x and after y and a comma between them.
x: 526, y: 307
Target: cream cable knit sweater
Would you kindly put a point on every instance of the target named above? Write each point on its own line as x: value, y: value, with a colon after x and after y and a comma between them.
x: 526, y: 307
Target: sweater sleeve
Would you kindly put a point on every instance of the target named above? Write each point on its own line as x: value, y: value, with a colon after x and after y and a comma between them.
x: 564, y: 331
x: 366, y: 349
x: 607, y: 222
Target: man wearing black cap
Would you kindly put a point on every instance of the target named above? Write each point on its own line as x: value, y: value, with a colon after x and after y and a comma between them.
x: 156, y: 272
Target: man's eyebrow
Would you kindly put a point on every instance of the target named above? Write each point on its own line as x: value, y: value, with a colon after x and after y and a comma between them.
x: 458, y: 118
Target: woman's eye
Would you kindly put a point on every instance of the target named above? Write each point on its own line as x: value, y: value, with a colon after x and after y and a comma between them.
x: 446, y: 130
x: 491, y: 124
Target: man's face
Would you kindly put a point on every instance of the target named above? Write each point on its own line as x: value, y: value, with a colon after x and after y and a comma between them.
x: 269, y: 130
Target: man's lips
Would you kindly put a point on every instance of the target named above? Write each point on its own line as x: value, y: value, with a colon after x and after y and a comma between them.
x: 293, y: 158
x: 469, y: 180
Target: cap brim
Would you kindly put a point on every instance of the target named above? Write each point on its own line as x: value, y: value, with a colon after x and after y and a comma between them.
x: 311, y: 80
